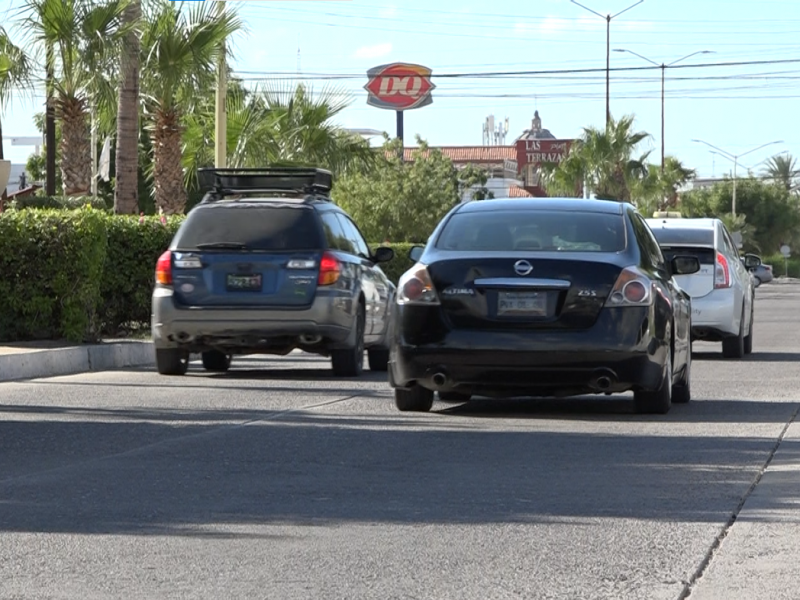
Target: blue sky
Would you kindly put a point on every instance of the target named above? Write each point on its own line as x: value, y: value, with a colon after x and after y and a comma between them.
x: 736, y: 108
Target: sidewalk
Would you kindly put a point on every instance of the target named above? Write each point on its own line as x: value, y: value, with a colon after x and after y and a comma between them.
x: 760, y: 556
x: 50, y: 359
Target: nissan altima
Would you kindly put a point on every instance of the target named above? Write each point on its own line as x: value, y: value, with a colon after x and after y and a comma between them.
x: 542, y: 297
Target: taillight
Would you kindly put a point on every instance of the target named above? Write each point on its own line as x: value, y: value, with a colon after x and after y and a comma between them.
x: 329, y: 270
x: 632, y: 288
x: 722, y: 274
x: 416, y: 287
x: 164, y: 269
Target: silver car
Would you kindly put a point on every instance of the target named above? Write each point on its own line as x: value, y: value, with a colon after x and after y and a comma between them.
x: 722, y: 291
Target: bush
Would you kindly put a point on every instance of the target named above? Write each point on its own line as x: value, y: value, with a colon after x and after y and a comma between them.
x: 400, y: 263
x: 56, y: 202
x: 778, y: 264
x: 134, y: 245
x: 51, y: 265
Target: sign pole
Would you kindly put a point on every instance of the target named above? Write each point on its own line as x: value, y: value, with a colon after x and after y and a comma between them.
x: 400, y: 133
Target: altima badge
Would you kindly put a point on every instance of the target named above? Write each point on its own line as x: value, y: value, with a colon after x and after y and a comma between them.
x: 459, y: 292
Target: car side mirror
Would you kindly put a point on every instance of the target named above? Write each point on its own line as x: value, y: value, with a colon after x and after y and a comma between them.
x: 416, y: 253
x: 383, y: 254
x: 685, y: 265
x: 751, y: 261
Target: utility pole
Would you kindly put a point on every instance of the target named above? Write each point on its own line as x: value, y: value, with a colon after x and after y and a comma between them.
x: 735, y: 158
x: 607, y: 19
x: 50, y: 125
x: 220, y: 116
x: 663, y: 68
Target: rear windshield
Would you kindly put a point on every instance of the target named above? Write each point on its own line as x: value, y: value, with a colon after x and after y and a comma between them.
x: 668, y: 236
x: 706, y: 256
x: 255, y: 227
x: 545, y: 231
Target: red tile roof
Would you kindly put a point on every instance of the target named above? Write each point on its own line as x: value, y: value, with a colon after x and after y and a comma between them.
x: 517, y: 192
x: 470, y: 154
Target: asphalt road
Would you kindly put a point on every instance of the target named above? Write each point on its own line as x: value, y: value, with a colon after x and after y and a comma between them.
x: 278, y: 481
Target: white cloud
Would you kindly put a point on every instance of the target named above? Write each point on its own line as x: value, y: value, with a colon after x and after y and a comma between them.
x: 388, y: 12
x: 375, y: 51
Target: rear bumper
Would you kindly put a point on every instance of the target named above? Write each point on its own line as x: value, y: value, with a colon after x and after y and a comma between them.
x: 716, y: 314
x: 329, y: 316
x: 630, y: 355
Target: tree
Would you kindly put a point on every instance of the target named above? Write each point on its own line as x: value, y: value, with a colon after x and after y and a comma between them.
x: 772, y: 213
x: 397, y: 200
x: 603, y: 160
x: 782, y: 169
x: 180, y: 49
x: 658, y: 189
x: 126, y: 188
x: 472, y: 177
x: 84, y: 35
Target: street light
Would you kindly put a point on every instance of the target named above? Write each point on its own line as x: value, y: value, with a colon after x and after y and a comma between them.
x: 735, y: 158
x: 663, y: 70
x: 607, y: 19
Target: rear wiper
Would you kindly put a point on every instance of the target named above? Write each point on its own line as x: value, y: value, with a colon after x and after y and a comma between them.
x: 221, y: 245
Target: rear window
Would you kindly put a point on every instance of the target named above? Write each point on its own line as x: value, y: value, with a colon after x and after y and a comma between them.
x: 667, y: 236
x: 256, y: 227
x: 545, y: 231
x: 706, y: 256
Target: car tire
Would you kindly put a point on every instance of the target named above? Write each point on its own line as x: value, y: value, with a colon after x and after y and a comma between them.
x: 215, y: 361
x: 733, y: 346
x: 349, y: 362
x: 378, y: 359
x: 757, y: 282
x: 682, y: 391
x: 660, y: 401
x: 172, y: 361
x: 748, y: 340
x: 416, y: 399
x: 454, y: 397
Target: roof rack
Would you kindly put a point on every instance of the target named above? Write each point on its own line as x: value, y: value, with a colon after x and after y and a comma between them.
x: 300, y: 180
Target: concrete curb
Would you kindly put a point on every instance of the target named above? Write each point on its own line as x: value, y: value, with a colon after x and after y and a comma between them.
x: 52, y: 362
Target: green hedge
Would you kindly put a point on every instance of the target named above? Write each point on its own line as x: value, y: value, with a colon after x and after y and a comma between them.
x: 78, y: 274
x: 51, y: 268
x: 56, y: 202
x: 778, y: 264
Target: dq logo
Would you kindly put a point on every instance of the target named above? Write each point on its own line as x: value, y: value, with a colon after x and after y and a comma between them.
x: 399, y: 86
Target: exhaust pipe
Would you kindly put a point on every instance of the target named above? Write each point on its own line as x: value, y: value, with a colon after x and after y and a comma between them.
x: 309, y: 340
x: 603, y: 383
x: 439, y: 379
x: 603, y: 380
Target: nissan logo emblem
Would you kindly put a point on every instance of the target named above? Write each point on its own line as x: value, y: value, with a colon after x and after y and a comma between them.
x: 522, y: 267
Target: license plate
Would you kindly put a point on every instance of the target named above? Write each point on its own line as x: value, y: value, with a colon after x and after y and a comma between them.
x: 244, y: 283
x: 523, y: 304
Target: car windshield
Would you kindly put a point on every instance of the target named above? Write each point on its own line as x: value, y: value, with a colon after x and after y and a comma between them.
x: 278, y: 228
x: 526, y: 230
x: 674, y: 236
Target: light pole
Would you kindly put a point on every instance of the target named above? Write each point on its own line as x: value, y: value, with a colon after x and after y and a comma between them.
x: 735, y: 158
x: 663, y: 70
x: 607, y: 19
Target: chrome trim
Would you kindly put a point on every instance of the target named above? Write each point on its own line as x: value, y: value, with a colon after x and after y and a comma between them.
x: 523, y: 268
x: 507, y: 282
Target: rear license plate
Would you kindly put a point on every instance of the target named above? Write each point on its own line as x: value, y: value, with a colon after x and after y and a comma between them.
x: 244, y: 283
x: 522, y: 304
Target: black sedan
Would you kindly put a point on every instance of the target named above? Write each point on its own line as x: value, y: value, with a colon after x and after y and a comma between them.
x: 542, y: 297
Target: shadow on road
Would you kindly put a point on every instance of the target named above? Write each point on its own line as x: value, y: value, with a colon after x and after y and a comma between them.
x: 98, y: 473
x: 755, y: 357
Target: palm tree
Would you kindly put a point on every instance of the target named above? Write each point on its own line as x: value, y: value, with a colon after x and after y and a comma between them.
x: 179, y: 58
x: 85, y: 36
x: 603, y: 159
x: 782, y: 169
x: 16, y: 73
x: 304, y: 131
x: 126, y: 188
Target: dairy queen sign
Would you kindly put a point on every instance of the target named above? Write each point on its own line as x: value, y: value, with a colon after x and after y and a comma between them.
x: 399, y: 87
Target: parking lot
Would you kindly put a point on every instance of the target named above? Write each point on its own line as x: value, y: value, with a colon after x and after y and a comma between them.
x: 278, y: 481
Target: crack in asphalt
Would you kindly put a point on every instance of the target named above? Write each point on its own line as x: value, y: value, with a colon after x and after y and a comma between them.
x: 690, y: 585
x: 211, y: 431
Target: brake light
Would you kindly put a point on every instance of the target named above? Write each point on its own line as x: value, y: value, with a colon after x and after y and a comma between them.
x: 722, y: 274
x: 632, y: 288
x: 329, y: 270
x: 164, y: 269
x: 416, y: 287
